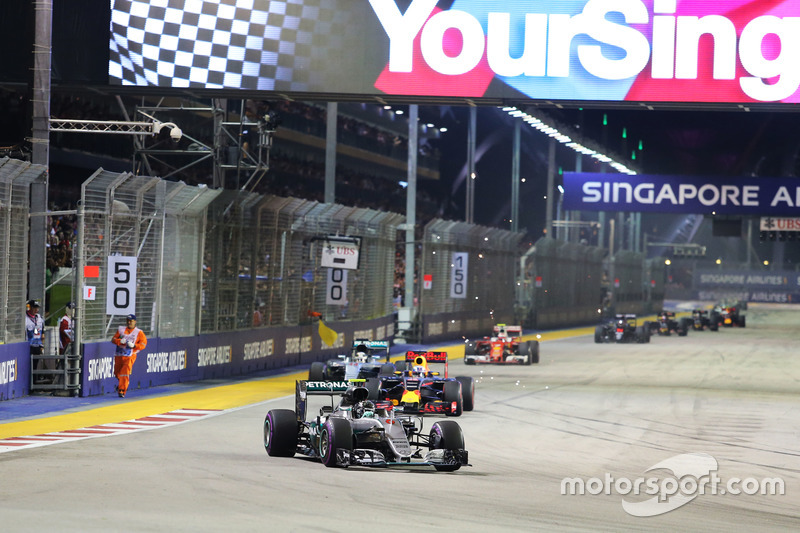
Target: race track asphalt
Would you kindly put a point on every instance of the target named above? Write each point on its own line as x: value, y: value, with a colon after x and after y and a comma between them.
x: 602, y: 414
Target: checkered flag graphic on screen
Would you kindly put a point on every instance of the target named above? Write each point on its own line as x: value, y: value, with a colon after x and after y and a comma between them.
x: 247, y: 44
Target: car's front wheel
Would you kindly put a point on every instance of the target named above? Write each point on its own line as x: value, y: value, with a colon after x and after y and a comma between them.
x: 447, y: 435
x: 336, y: 434
x: 317, y: 371
x: 598, y: 334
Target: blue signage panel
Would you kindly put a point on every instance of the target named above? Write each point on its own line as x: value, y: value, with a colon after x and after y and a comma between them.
x: 219, y: 355
x: 584, y: 191
x: 15, y: 370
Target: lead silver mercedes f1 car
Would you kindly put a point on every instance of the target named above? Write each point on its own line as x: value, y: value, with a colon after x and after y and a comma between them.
x: 359, y: 432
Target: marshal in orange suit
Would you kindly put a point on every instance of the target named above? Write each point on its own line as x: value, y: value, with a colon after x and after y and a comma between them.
x: 130, y: 340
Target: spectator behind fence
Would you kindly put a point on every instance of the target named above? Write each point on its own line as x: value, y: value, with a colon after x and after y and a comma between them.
x: 34, y: 331
x: 66, y: 335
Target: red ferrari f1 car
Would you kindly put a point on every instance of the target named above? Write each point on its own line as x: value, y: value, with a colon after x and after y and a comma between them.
x: 505, y: 346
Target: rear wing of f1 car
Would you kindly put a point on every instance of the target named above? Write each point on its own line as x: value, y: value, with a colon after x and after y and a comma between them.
x: 304, y: 388
x: 374, y: 348
x: 504, y: 330
x: 430, y: 357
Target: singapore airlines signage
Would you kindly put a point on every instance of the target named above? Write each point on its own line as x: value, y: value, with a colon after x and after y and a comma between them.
x: 602, y: 50
x: 680, y: 194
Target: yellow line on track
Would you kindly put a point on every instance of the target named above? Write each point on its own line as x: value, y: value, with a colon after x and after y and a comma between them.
x: 212, y: 398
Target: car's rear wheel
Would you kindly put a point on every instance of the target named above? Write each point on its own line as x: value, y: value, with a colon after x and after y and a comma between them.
x: 598, y: 334
x: 280, y: 433
x: 467, y: 392
x: 641, y: 335
x: 452, y: 393
x: 447, y: 435
x: 336, y: 434
x: 533, y: 352
x: 469, y: 349
x: 387, y: 369
x: 316, y: 372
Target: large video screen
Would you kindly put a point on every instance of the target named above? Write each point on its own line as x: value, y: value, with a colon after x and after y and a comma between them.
x: 725, y: 51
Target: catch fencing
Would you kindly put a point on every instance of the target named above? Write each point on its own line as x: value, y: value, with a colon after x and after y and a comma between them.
x: 263, y: 255
x: 160, y: 224
x: 562, y: 284
x: 566, y: 284
x: 16, y: 178
x: 471, y: 275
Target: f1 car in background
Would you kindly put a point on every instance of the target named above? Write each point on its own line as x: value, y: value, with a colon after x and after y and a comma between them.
x: 622, y: 329
x: 367, y: 359
x: 359, y: 432
x: 703, y: 319
x: 505, y: 346
x: 417, y: 389
x: 666, y: 324
x: 732, y: 314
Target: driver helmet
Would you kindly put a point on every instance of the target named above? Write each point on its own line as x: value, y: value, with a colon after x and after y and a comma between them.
x: 420, y: 366
x: 366, y: 409
x: 362, y: 357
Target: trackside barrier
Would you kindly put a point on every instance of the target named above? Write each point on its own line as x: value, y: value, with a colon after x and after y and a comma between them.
x: 222, y: 355
x: 15, y: 370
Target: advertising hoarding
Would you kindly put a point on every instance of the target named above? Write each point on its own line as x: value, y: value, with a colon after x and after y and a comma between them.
x: 580, y: 50
x: 587, y: 191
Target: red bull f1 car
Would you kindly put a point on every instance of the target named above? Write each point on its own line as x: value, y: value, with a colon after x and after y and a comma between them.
x: 359, y: 432
x: 505, y: 346
x: 418, y: 389
x: 732, y: 314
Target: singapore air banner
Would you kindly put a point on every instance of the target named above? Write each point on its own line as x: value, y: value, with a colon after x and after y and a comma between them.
x: 733, y: 51
x: 585, y: 191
